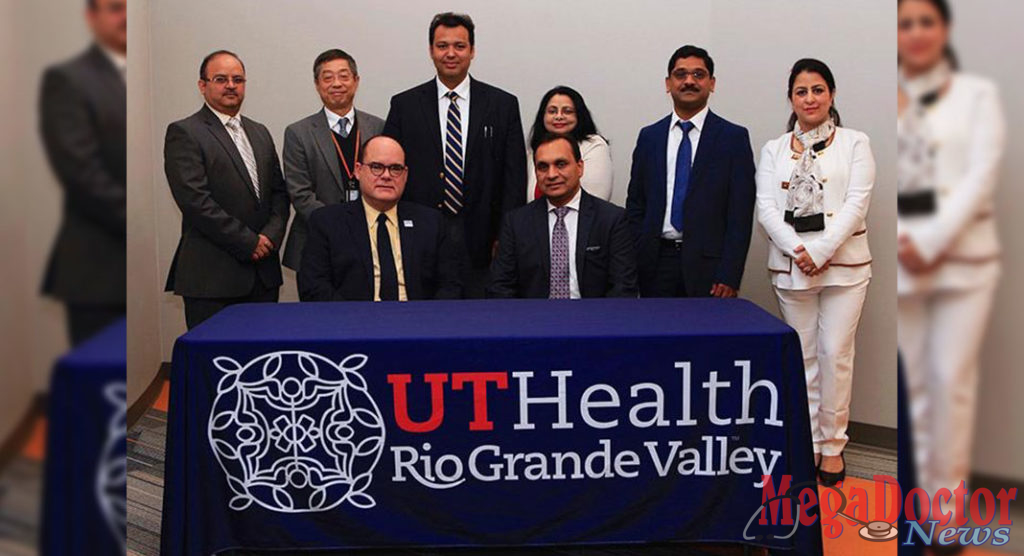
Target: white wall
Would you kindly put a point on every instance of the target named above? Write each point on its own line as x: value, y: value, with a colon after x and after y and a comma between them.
x: 615, y: 56
x: 32, y: 327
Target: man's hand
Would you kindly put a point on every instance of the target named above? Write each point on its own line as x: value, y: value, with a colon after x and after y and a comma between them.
x: 804, y: 261
x: 909, y: 256
x: 722, y: 290
x: 263, y: 248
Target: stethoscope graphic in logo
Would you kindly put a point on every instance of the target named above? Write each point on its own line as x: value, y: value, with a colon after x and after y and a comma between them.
x: 874, y: 531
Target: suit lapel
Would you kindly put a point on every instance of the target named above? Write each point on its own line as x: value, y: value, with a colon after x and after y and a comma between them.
x: 219, y: 132
x: 541, y: 237
x: 705, y: 148
x: 360, y: 235
x: 584, y: 222
x: 108, y: 77
x: 410, y: 256
x: 322, y: 136
x: 428, y: 108
x: 479, y: 103
x: 657, y: 193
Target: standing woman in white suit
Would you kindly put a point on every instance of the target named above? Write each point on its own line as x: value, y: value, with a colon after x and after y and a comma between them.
x: 951, y: 137
x: 813, y: 190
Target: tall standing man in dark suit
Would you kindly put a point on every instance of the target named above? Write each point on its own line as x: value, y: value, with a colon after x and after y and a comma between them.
x: 691, y: 190
x: 82, y: 119
x: 464, y: 143
x: 225, y: 176
x: 568, y: 244
x: 320, y: 151
x: 379, y: 248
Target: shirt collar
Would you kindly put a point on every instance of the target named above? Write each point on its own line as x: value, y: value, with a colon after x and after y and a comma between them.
x: 574, y: 204
x: 371, y: 213
x: 462, y: 89
x: 222, y: 116
x: 332, y: 118
x: 119, y: 60
x: 697, y: 120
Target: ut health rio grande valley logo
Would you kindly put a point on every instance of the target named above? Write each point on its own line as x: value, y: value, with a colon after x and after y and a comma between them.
x: 296, y: 432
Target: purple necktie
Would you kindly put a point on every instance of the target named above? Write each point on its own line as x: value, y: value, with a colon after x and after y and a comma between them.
x: 560, y: 256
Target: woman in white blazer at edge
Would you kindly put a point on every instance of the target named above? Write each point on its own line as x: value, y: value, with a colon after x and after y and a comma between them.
x: 948, y: 246
x: 563, y: 110
x: 813, y: 190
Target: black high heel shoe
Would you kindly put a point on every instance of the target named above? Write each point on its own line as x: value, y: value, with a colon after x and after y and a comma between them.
x: 829, y: 478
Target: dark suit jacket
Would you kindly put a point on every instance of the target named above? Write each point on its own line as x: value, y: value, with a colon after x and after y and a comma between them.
x: 495, y: 169
x: 337, y: 264
x: 82, y: 109
x: 221, y: 217
x: 719, y: 208
x: 605, y: 264
x: 312, y: 172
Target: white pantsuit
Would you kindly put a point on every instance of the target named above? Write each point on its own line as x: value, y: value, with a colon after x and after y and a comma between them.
x: 824, y: 309
x: 943, y: 313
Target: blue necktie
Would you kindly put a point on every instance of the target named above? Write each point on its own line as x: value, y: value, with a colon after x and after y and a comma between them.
x: 453, y: 157
x: 682, y: 183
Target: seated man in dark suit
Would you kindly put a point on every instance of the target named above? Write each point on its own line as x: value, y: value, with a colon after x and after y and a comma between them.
x: 567, y: 244
x: 380, y: 248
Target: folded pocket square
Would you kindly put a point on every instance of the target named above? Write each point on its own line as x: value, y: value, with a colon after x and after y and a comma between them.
x: 593, y: 248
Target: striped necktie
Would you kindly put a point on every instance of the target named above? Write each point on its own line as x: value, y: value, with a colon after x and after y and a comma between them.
x: 244, y: 149
x: 453, y: 161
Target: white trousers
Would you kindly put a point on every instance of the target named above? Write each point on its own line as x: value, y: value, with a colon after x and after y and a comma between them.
x: 940, y: 338
x: 826, y: 319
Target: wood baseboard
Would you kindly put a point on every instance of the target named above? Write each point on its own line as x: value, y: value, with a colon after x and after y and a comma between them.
x: 872, y: 435
x: 149, y: 396
x: 15, y: 442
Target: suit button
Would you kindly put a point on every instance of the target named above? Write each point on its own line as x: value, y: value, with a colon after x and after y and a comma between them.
x: 441, y: 175
x: 439, y: 205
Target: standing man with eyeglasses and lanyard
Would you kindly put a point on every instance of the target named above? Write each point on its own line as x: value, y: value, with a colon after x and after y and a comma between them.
x: 465, y: 147
x: 320, y: 151
x: 225, y: 176
x: 379, y: 248
x: 691, y: 190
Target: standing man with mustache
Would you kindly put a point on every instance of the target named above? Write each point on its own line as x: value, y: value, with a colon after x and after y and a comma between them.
x: 691, y: 190
x: 320, y: 151
x: 465, y: 147
x: 225, y: 176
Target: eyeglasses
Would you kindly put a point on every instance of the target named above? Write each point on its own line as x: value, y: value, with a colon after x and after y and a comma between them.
x: 698, y: 74
x: 222, y: 80
x: 396, y: 170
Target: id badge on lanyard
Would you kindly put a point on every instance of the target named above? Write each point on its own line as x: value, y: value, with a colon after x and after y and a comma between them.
x: 351, y: 184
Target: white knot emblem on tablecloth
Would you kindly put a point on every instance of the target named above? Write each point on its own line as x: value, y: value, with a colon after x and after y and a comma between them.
x: 296, y: 432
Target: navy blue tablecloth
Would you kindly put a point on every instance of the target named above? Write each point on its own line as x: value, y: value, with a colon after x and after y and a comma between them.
x: 483, y: 423
x: 84, y: 478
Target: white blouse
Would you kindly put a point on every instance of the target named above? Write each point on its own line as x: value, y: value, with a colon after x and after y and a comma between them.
x: 969, y: 133
x: 597, y: 169
x: 848, y: 174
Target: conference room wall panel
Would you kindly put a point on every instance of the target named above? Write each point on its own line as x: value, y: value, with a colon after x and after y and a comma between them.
x: 614, y: 53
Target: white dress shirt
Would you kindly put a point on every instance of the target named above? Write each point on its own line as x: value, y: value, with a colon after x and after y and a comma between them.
x: 119, y: 60
x: 571, y: 220
x: 333, y: 119
x: 675, y: 137
x: 442, y: 113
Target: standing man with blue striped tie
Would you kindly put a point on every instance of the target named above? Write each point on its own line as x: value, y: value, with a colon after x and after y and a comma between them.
x: 691, y: 190
x: 464, y: 146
